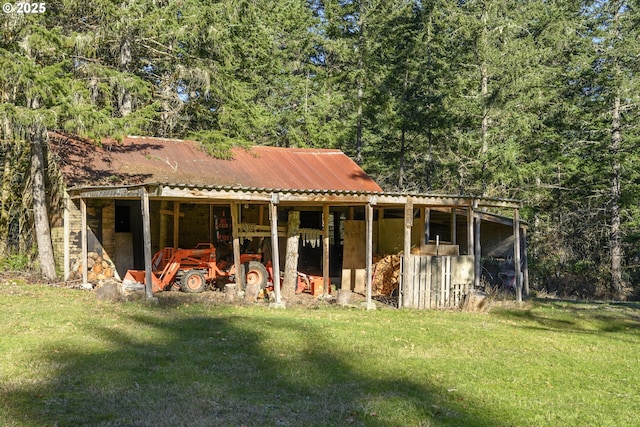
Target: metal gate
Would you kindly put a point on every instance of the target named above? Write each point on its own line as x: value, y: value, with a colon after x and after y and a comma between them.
x: 436, y: 281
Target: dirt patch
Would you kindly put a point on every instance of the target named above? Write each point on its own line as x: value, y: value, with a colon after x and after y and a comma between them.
x: 176, y: 298
x: 27, y: 278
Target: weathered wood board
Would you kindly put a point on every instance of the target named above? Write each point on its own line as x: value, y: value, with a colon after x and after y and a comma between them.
x: 353, y: 260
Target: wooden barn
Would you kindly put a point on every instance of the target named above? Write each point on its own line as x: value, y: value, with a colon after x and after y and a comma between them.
x: 121, y: 202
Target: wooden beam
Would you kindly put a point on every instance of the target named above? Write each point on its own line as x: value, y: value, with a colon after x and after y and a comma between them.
x: 275, y: 254
x: 408, y: 224
x: 470, y: 231
x: 325, y: 249
x: 454, y: 226
x: 212, y: 222
x: 516, y: 253
x: 164, y: 211
x: 236, y: 245
x: 131, y: 193
x: 85, y: 241
x: 176, y: 224
x: 163, y: 223
x: 369, y: 253
x: 146, y: 236
x: 66, y: 238
x: 477, y: 251
x: 499, y: 219
x: 380, y: 225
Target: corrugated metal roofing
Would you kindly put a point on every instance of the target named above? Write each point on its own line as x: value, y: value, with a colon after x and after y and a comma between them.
x: 138, y: 160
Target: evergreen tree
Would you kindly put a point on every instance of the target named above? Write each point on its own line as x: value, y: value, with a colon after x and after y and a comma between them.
x: 608, y: 101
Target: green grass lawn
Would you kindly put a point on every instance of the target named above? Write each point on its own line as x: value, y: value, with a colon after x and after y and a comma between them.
x: 67, y: 359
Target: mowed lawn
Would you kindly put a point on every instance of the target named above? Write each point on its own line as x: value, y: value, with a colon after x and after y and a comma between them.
x: 67, y: 359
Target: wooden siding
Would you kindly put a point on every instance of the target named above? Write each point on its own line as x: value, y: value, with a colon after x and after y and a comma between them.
x: 436, y: 281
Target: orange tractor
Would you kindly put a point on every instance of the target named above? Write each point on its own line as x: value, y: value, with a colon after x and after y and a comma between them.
x: 193, y: 269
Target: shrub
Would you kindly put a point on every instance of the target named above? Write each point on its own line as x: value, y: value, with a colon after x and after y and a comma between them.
x: 14, y: 262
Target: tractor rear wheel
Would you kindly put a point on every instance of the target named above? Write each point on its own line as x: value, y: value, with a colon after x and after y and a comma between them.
x: 255, y: 274
x: 193, y: 281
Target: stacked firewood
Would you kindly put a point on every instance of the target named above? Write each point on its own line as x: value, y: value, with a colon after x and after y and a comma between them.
x: 386, y: 274
x: 98, y: 268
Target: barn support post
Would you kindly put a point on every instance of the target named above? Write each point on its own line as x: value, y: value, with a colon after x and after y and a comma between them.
x: 454, y: 228
x: 275, y: 250
x: 477, y: 254
x: 146, y: 236
x: 470, y: 230
x: 425, y: 235
x: 165, y: 213
x: 66, y: 238
x: 236, y: 245
x: 176, y: 224
x: 407, y: 275
x: 162, y: 239
x: 325, y: 250
x: 211, y: 224
x: 516, y: 253
x: 85, y: 242
x: 369, y: 252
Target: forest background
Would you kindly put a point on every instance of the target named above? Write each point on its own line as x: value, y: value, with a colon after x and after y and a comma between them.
x: 529, y: 99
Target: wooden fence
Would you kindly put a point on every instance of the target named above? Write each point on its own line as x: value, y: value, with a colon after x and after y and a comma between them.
x: 436, y: 281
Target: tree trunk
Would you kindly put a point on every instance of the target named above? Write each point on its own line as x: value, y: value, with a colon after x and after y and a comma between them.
x: 40, y: 216
x: 358, y: 157
x: 5, y: 197
x: 401, y: 165
x: 291, y: 262
x: 360, y: 84
x: 615, y: 234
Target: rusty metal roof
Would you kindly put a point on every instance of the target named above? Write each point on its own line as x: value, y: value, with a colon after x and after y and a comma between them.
x: 139, y: 160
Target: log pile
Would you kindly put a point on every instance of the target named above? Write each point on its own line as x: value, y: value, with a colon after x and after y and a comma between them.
x: 386, y: 275
x: 98, y: 268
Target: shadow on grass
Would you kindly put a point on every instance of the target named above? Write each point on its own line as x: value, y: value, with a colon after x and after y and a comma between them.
x: 218, y: 371
x: 577, y: 316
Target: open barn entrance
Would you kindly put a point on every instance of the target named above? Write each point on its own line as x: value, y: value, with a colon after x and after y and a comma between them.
x: 129, y: 249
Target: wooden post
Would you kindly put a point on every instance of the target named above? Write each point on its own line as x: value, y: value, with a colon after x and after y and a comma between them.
x: 369, y: 252
x: 516, y: 253
x: 211, y: 224
x: 236, y: 246
x: 163, y: 225
x: 66, y: 238
x: 275, y: 250
x: 261, y: 222
x: 85, y: 242
x: 478, y: 249
x: 146, y: 236
x: 176, y: 224
x: 380, y: 221
x: 336, y: 228
x: 290, y: 282
x: 325, y: 250
x: 408, y: 224
x: 425, y: 214
x: 454, y: 227
x: 470, y: 232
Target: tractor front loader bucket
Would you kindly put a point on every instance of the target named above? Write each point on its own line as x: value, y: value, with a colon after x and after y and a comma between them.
x: 139, y: 276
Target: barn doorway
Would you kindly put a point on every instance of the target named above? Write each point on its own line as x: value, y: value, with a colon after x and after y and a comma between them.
x: 129, y: 253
